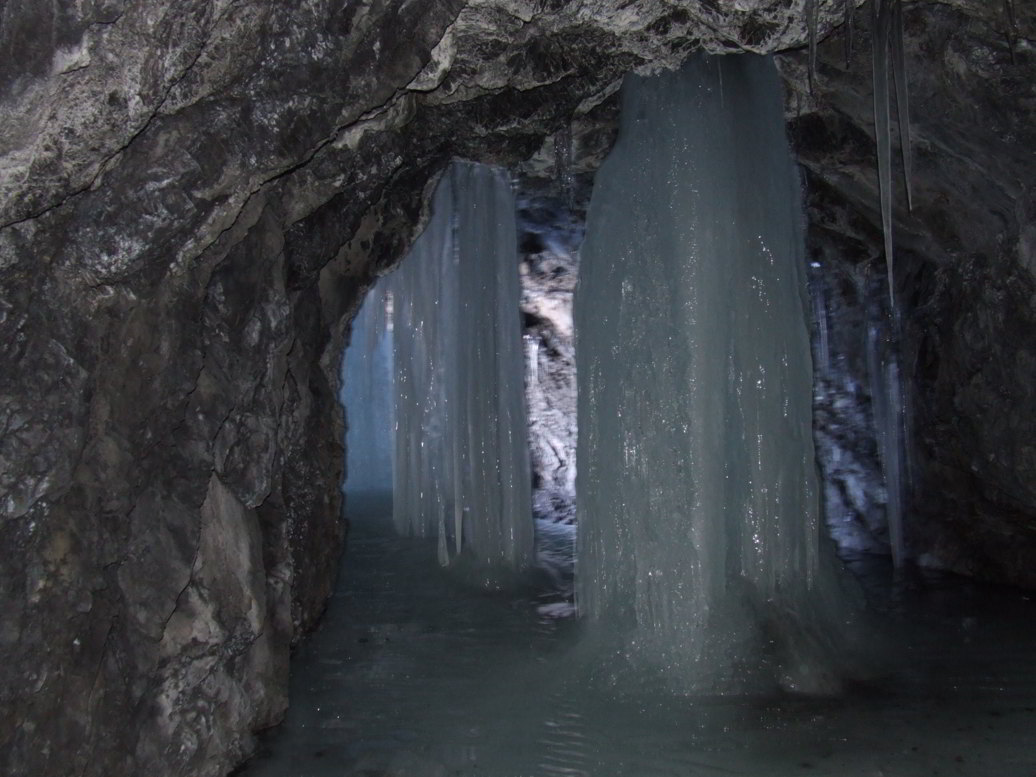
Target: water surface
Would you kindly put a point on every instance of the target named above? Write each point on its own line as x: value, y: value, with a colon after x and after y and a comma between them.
x: 416, y: 673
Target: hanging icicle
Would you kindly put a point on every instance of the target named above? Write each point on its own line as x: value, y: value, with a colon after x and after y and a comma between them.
x: 1012, y: 29
x: 812, y: 19
x: 902, y: 100
x: 849, y: 12
x: 887, y: 54
x: 882, y: 133
x: 461, y: 451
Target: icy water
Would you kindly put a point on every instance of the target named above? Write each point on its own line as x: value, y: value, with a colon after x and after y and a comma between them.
x: 415, y: 672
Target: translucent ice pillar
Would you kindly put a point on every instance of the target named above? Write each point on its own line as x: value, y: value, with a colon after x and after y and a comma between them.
x: 697, y: 488
x: 461, y: 456
x: 367, y: 385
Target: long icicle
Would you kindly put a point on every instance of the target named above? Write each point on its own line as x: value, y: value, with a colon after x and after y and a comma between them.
x: 812, y: 17
x: 880, y: 17
x: 849, y: 12
x: 1012, y: 29
x: 902, y: 98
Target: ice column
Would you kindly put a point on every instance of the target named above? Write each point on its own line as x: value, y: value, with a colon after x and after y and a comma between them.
x: 697, y: 489
x: 889, y: 430
x: 367, y: 384
x: 461, y: 456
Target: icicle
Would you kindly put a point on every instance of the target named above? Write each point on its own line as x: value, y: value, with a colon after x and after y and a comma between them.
x: 823, y: 348
x: 1009, y: 9
x: 563, y: 173
x: 902, y: 101
x: 847, y: 32
x: 812, y: 19
x: 880, y: 18
x: 1012, y: 29
x: 887, y: 54
x: 889, y: 427
x: 461, y: 447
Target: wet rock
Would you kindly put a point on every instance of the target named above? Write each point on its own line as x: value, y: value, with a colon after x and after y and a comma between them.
x: 549, y: 251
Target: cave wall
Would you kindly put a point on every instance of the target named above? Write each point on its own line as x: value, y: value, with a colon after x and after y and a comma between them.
x: 964, y: 263
x: 193, y: 197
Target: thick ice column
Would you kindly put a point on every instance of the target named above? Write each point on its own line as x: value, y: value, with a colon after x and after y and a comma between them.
x: 697, y: 488
x: 367, y: 384
x: 462, y: 466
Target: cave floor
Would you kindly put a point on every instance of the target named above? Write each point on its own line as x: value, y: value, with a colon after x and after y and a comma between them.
x: 414, y: 673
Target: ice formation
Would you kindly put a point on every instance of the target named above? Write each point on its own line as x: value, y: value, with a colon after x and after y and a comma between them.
x: 889, y: 420
x: 699, y: 531
x: 461, y: 458
x: 366, y: 382
x: 887, y: 55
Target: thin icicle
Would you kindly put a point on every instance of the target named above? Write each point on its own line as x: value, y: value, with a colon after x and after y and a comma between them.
x: 1012, y: 29
x: 902, y: 98
x: 1009, y: 8
x: 563, y: 173
x: 880, y: 18
x: 812, y: 18
x: 847, y: 34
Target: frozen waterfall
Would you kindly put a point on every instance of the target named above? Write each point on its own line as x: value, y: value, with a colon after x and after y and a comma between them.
x: 461, y: 458
x: 699, y: 532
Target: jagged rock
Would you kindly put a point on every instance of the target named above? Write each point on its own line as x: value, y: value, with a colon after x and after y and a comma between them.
x: 193, y: 198
x: 549, y: 246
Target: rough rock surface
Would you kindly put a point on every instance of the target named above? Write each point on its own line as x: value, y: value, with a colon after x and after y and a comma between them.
x: 194, y: 195
x: 549, y: 246
x: 965, y: 257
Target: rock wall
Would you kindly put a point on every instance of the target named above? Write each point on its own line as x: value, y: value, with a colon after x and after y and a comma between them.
x: 965, y: 257
x: 193, y: 197
x: 549, y: 245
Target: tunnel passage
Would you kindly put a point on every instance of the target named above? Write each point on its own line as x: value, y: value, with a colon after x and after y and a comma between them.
x: 193, y: 203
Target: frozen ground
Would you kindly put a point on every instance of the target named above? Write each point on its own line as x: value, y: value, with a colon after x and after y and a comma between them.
x: 416, y: 674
